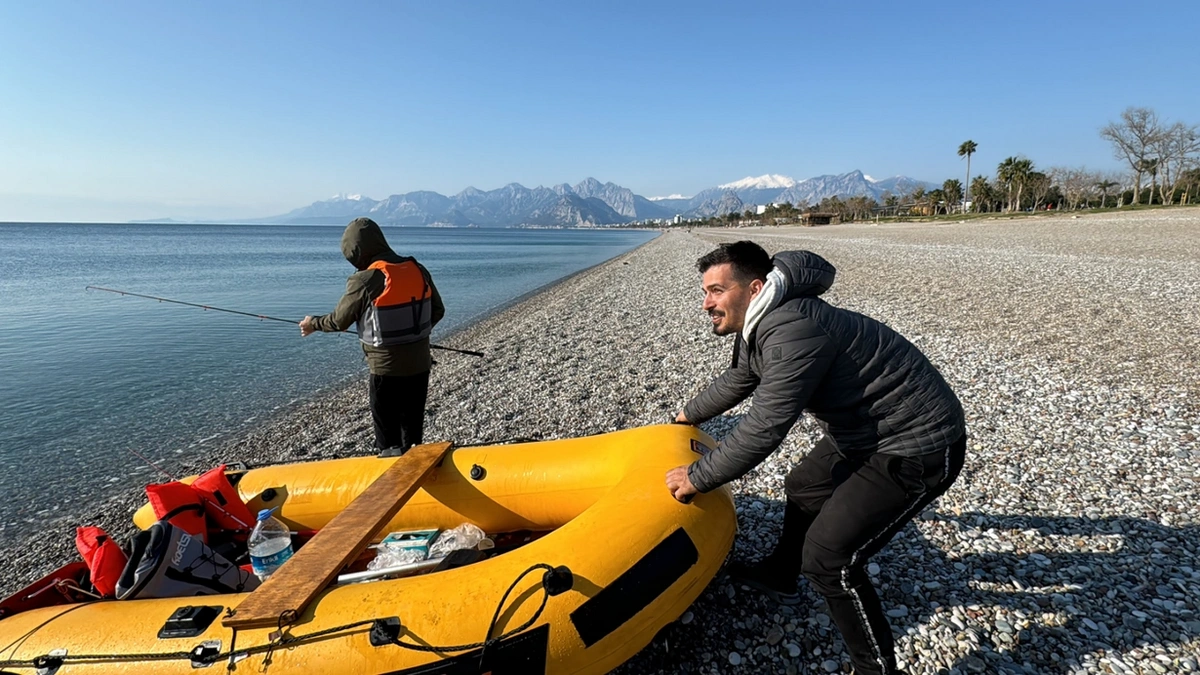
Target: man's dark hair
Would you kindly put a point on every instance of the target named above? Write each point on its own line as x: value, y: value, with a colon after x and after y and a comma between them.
x: 748, y: 259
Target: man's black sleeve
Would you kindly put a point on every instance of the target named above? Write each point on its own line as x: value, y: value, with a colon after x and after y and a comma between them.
x: 796, y: 353
x: 729, y: 389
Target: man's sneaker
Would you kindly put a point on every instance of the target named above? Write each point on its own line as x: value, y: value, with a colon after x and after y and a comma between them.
x: 781, y: 591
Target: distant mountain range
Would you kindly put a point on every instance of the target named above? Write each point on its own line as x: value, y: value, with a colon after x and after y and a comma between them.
x: 590, y: 203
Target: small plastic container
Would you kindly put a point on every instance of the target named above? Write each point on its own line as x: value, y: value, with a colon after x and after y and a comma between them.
x: 410, y: 540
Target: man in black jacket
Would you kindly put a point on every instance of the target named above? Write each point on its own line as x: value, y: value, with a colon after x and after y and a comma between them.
x: 894, y: 441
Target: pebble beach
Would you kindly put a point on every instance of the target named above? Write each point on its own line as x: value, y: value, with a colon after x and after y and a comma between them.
x: 1071, y: 542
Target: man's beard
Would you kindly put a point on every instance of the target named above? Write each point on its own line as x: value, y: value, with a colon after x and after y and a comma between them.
x: 716, y: 327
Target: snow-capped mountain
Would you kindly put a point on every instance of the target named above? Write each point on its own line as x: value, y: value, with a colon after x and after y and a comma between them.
x: 765, y: 182
x: 590, y: 202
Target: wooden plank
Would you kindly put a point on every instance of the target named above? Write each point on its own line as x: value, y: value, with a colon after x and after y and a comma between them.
x: 294, y: 585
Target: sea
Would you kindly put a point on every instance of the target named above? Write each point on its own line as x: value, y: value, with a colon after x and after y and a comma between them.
x: 88, y: 378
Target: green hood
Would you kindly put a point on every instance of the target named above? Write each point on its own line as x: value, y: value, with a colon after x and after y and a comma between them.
x: 363, y: 243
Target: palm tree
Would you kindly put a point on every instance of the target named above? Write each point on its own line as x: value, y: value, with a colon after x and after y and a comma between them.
x: 936, y: 196
x: 967, y: 149
x: 1006, y: 173
x: 983, y: 194
x: 953, y: 191
x: 1014, y: 172
x: 1024, y: 175
x: 1105, y: 186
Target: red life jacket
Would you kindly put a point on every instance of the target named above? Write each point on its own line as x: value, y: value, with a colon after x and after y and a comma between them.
x: 180, y: 505
x: 104, y: 558
x: 222, y: 502
x: 403, y: 312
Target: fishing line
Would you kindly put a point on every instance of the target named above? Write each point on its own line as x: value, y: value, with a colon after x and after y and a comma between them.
x: 261, y: 317
x: 147, y: 460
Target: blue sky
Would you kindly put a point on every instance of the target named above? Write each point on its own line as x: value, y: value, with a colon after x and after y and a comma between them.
x: 125, y: 110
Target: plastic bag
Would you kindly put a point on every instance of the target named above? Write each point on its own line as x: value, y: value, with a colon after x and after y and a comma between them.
x: 388, y: 556
x: 462, y: 537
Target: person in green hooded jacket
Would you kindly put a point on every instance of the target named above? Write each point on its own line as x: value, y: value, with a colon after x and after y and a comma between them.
x: 395, y: 305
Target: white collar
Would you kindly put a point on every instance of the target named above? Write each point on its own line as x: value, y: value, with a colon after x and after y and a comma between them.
x: 767, y: 299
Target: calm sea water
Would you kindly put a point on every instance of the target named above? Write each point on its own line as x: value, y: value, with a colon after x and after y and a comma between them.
x: 85, y: 376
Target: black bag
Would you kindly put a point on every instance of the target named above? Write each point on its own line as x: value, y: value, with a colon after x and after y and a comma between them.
x: 166, y: 562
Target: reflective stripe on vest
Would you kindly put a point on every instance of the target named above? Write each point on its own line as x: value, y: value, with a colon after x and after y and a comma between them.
x: 403, y: 312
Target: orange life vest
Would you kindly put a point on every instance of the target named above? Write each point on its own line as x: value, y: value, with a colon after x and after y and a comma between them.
x: 403, y: 312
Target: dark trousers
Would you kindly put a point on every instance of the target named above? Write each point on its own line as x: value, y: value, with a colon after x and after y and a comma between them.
x: 841, y: 512
x: 398, y: 409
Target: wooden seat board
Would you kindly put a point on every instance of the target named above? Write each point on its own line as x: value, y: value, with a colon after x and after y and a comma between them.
x: 299, y: 580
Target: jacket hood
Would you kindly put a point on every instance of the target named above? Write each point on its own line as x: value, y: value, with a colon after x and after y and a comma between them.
x: 804, y: 273
x: 363, y: 243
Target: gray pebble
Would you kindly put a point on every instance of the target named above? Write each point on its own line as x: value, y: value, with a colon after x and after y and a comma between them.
x: 1066, y: 340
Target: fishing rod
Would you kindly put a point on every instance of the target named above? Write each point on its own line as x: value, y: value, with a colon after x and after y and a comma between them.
x: 261, y: 317
x: 152, y: 464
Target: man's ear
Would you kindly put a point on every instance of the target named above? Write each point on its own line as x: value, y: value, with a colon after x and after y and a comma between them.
x: 755, y: 287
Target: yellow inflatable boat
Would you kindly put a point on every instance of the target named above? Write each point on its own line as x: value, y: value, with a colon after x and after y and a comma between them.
x: 636, y: 559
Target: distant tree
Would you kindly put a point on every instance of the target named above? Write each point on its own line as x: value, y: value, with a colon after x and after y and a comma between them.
x: 982, y: 189
x: 1024, y: 175
x: 934, y: 200
x: 1013, y: 173
x: 1175, y: 148
x: 1039, y: 185
x: 966, y: 150
x: 1006, y: 173
x: 1133, y: 139
x: 834, y: 205
x: 953, y: 191
x: 1104, y: 186
x: 1189, y: 181
x: 1054, y: 196
x: 1073, y: 184
x: 1150, y: 166
x: 860, y: 207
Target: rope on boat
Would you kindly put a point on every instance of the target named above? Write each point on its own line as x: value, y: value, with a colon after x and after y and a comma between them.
x: 555, y: 580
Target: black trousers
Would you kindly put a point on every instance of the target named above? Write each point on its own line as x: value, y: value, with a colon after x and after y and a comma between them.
x: 398, y: 409
x: 841, y: 512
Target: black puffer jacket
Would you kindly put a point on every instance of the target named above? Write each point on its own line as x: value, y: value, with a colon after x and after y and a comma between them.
x: 870, y: 388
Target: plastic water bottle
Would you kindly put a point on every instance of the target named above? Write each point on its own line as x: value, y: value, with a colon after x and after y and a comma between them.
x: 270, y: 544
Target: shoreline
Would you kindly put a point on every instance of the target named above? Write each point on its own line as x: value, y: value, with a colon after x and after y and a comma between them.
x: 114, y: 512
x: 1067, y: 341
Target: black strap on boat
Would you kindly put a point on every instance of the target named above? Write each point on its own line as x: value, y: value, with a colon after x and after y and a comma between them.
x: 555, y: 580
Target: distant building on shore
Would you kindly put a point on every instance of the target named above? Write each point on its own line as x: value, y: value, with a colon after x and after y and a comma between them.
x: 813, y: 218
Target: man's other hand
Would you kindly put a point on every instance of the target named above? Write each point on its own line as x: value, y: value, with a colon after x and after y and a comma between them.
x: 306, y: 326
x: 680, y: 485
x: 681, y: 418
